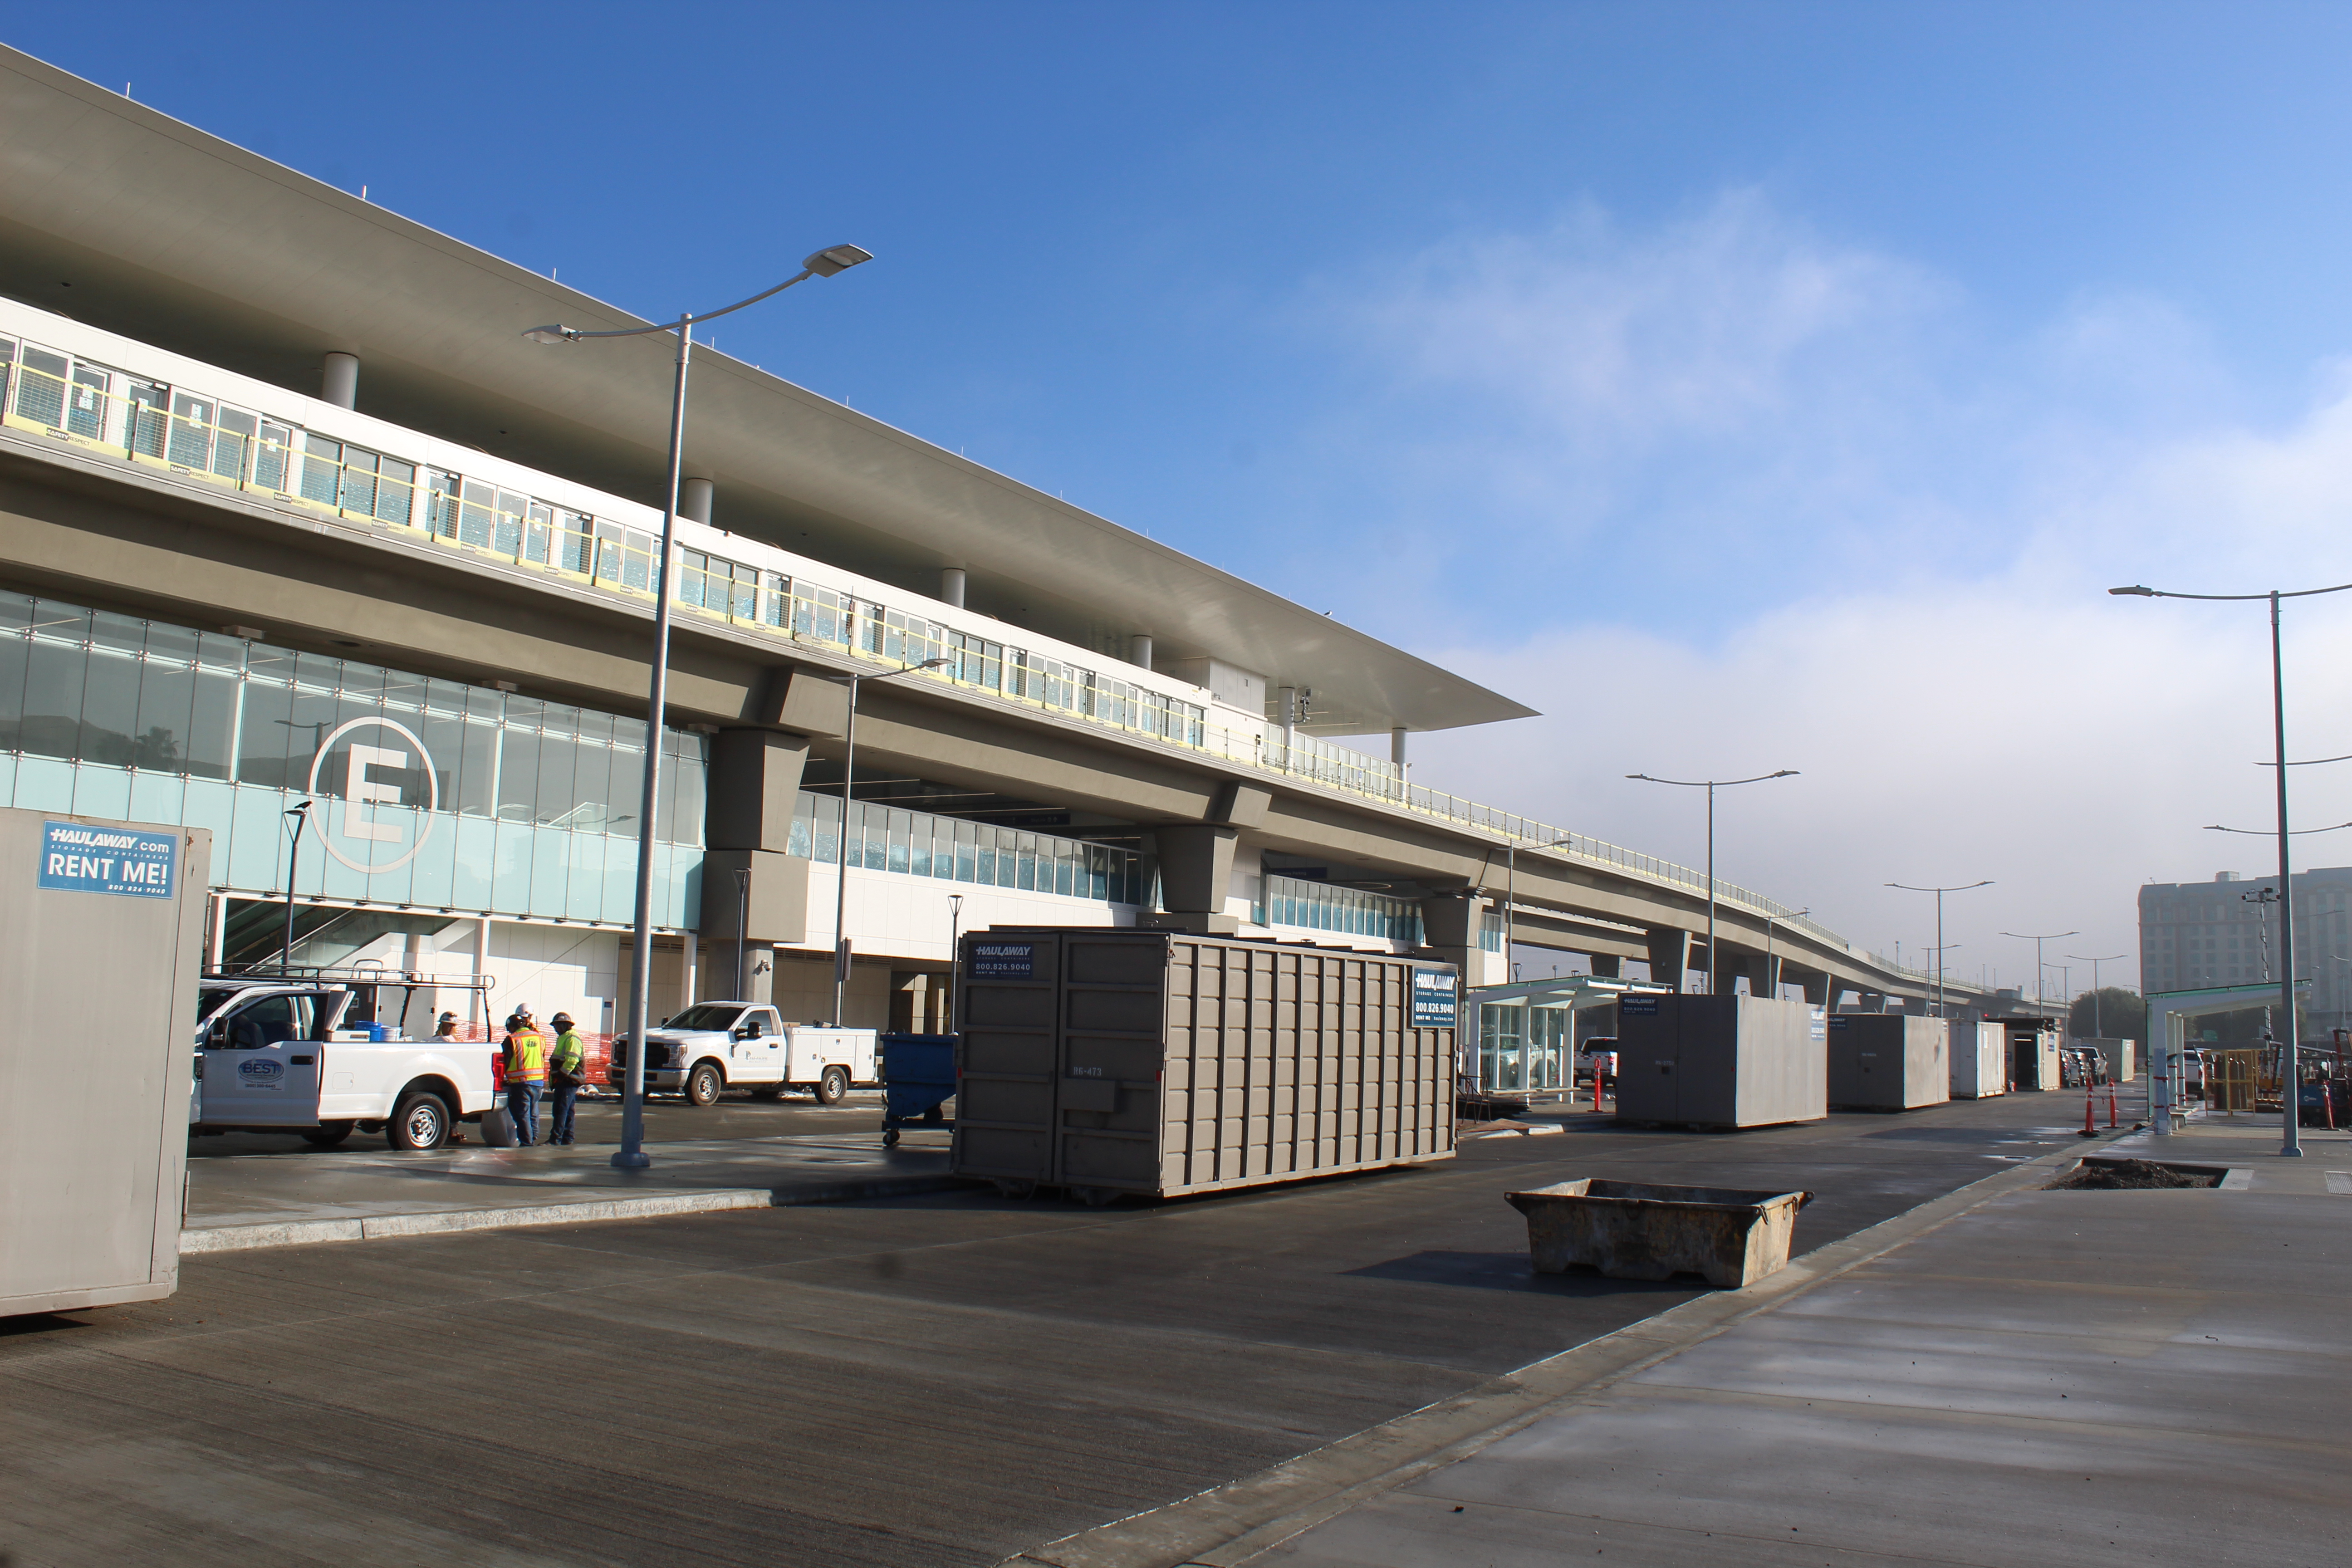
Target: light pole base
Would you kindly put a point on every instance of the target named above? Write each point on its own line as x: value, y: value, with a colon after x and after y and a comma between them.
x: 2294, y: 1153
x: 633, y: 1160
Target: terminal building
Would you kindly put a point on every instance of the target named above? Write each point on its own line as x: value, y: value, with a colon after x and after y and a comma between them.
x: 294, y: 512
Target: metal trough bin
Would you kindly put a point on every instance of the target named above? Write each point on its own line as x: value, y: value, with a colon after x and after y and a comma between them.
x: 1633, y: 1230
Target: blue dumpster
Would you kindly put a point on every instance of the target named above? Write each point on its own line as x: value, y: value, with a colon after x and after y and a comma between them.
x: 917, y: 1077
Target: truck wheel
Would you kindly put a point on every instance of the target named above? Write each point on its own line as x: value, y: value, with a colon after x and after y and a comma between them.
x: 327, y: 1134
x: 704, y: 1084
x: 420, y: 1123
x: 833, y: 1087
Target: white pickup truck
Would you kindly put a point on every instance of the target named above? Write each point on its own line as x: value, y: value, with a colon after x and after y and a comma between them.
x: 713, y: 1046
x: 271, y: 1058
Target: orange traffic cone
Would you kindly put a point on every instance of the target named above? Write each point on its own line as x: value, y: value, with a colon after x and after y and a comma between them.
x: 2089, y: 1130
x: 2111, y: 1104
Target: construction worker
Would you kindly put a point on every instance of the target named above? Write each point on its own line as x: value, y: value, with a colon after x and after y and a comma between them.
x: 525, y: 1058
x: 567, y: 1069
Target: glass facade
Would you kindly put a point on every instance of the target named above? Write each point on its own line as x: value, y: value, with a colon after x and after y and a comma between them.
x: 1522, y: 1047
x: 1319, y: 906
x: 884, y: 837
x: 426, y: 793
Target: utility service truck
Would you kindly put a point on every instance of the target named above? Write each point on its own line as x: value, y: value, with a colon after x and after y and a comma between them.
x: 303, y: 1055
x: 713, y: 1046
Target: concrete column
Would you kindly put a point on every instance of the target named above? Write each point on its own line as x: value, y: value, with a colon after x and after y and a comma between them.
x: 694, y: 500
x: 1140, y: 653
x: 1608, y: 966
x: 1670, y: 952
x: 1450, y: 923
x: 952, y: 586
x: 753, y: 783
x: 339, y: 380
x: 1396, y: 747
x: 1196, y: 870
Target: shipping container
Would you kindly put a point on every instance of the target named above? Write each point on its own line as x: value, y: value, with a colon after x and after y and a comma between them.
x: 101, y: 927
x: 1720, y: 1061
x: 1979, y: 1053
x: 2122, y: 1057
x: 2032, y: 1053
x: 1149, y: 1062
x: 1888, y: 1061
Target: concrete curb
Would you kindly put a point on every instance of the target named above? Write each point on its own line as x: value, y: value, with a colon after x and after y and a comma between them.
x: 587, y: 1211
x: 1228, y: 1525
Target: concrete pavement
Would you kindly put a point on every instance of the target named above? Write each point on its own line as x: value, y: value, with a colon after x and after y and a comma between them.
x: 269, y: 1190
x: 942, y: 1379
x: 2007, y: 1376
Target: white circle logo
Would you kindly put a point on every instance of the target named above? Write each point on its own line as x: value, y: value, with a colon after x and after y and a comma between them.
x: 355, y: 823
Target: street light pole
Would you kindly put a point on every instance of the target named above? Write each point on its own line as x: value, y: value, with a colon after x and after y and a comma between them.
x: 2097, y: 1032
x: 1714, y: 966
x: 742, y: 928
x: 2290, y: 1073
x: 297, y: 816
x: 2041, y: 998
x: 841, y: 841
x: 1771, y: 973
x: 1939, y: 893
x: 1511, y: 895
x: 825, y: 263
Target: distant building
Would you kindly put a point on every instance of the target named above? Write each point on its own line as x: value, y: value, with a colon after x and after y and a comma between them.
x: 2219, y: 934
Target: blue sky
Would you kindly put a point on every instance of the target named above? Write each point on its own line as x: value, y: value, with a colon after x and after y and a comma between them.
x: 1746, y: 386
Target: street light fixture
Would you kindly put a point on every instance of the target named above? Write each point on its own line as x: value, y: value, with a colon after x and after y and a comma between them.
x: 2040, y: 999
x: 2097, y: 1032
x: 825, y: 263
x: 1939, y: 893
x: 841, y: 841
x: 297, y: 816
x: 2290, y: 1074
x: 1714, y: 965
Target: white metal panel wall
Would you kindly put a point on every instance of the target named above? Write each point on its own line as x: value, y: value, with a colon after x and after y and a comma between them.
x: 98, y: 1011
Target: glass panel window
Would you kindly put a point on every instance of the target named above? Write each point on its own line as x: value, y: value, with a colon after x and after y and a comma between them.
x: 775, y: 599
x: 359, y: 481
x: 744, y: 602
x: 395, y: 491
x: 539, y: 535
x: 273, y: 458
x: 232, y: 437
x: 191, y: 441
x: 817, y: 613
x: 693, y: 577
x: 575, y: 543
x: 476, y: 504
x: 322, y: 469
x: 505, y: 538
x: 86, y: 409
x: 41, y: 388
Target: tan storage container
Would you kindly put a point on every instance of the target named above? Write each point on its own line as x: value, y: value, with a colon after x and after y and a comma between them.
x: 1111, y: 1061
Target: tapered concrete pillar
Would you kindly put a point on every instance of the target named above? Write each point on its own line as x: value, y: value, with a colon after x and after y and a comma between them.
x: 1140, y: 650
x: 1450, y: 924
x: 694, y: 497
x: 1196, y: 872
x: 1396, y: 747
x: 1670, y: 953
x: 951, y: 583
x: 339, y: 380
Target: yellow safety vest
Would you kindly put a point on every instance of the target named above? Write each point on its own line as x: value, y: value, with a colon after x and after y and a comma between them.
x: 526, y: 1058
x: 570, y: 1053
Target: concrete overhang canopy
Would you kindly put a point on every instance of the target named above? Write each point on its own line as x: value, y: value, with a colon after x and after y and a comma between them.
x: 125, y: 217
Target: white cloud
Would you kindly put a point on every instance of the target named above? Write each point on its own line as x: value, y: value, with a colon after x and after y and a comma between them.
x: 1759, y: 500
